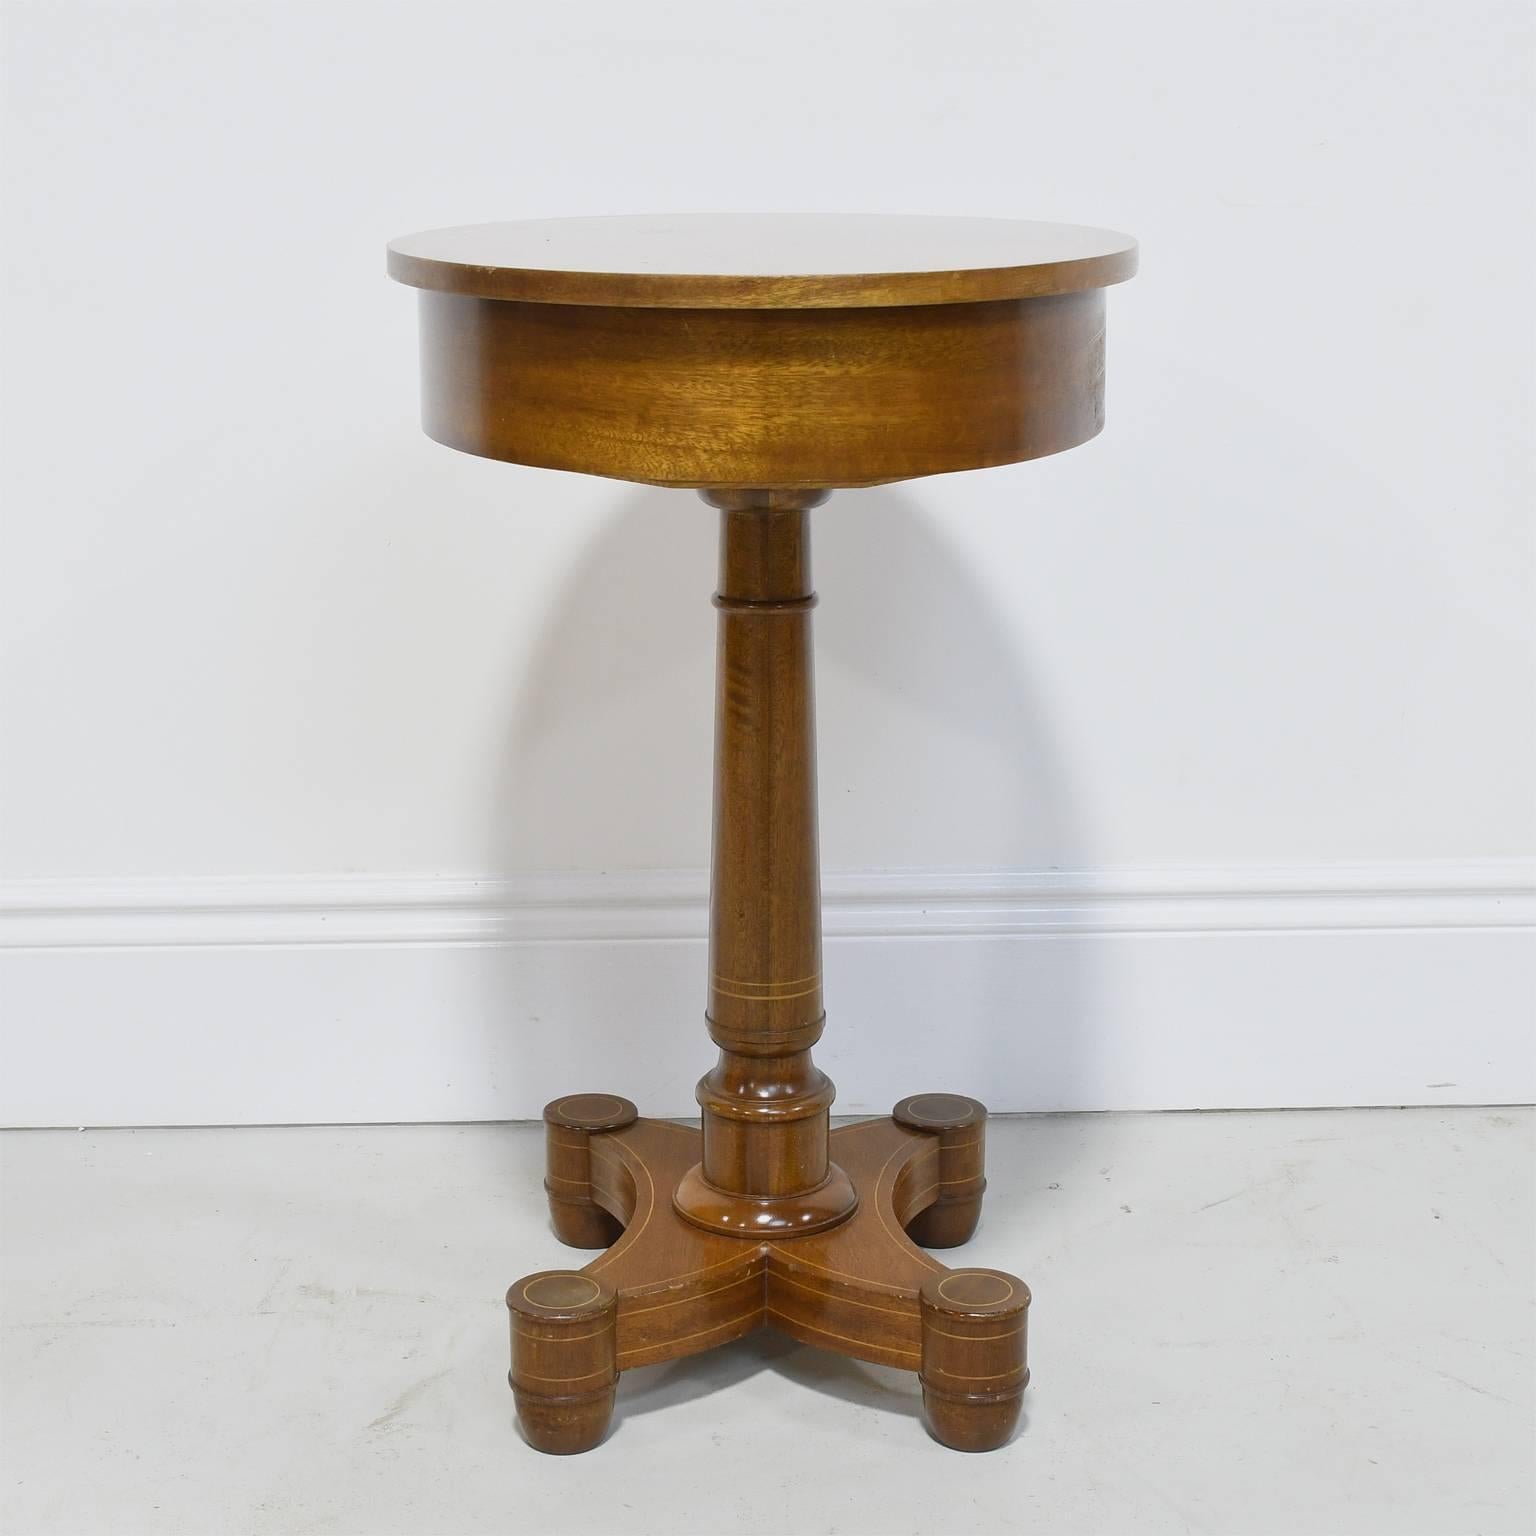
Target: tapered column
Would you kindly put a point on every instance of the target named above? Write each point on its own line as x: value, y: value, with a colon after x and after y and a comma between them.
x: 765, y: 1104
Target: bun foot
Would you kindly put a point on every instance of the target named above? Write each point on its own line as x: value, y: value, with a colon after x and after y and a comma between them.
x: 564, y: 1374
x: 961, y: 1126
x: 969, y: 1424
x: 569, y: 1125
x: 974, y: 1366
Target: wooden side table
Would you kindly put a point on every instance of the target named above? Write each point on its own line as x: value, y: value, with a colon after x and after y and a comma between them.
x: 763, y: 360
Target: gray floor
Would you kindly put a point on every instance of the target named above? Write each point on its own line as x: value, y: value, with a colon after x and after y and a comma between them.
x: 1290, y: 1323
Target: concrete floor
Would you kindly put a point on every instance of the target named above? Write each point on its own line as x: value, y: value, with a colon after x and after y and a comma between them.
x: 1243, y: 1323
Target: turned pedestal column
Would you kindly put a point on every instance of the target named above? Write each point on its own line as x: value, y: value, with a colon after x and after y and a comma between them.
x: 766, y: 1107
x: 763, y: 360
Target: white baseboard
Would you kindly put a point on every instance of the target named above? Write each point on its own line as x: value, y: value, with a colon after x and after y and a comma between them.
x: 341, y: 999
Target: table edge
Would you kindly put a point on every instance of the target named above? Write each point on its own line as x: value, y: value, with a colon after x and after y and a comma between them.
x: 861, y: 290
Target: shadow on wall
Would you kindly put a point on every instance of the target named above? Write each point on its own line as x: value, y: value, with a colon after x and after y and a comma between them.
x: 930, y: 735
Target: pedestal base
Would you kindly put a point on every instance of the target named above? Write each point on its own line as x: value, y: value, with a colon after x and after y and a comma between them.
x: 666, y: 1288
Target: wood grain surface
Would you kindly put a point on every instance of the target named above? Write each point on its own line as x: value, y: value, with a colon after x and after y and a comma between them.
x: 764, y: 360
x: 718, y: 398
x: 763, y: 261
x: 666, y: 1289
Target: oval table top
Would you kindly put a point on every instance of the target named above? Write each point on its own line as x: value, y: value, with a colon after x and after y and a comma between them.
x: 763, y: 260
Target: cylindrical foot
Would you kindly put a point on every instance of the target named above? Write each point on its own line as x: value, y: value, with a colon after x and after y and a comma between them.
x: 564, y: 1373
x: 974, y: 1366
x: 569, y: 1125
x: 961, y: 1126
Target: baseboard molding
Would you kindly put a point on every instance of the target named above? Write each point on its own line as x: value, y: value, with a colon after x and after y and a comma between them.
x: 670, y: 904
x: 407, y: 998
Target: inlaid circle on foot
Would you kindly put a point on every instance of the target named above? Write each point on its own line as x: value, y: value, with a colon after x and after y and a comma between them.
x: 564, y: 1358
x: 939, y: 1112
x: 974, y: 1360
x: 591, y: 1112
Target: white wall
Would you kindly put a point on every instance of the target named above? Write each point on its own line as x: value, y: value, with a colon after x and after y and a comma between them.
x: 1272, y: 632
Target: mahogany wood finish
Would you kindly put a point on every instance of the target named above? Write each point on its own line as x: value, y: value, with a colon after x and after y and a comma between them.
x: 961, y: 1127
x: 765, y: 1169
x: 764, y: 362
x: 748, y: 398
x: 860, y: 1287
x: 763, y: 260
